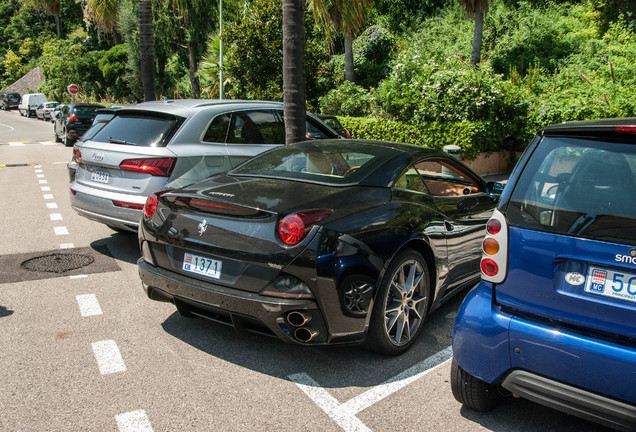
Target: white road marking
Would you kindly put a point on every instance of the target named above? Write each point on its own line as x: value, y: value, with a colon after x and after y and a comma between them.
x: 88, y: 305
x: 46, y: 188
x: 78, y: 276
x: 38, y: 170
x: 345, y: 414
x: 67, y: 246
x: 55, y: 216
x: 40, y: 176
x: 108, y: 357
x: 48, y: 196
x: 37, y: 166
x: 133, y: 421
x: 51, y: 205
x: 47, y: 143
x: 42, y: 182
x: 16, y: 143
x: 61, y: 230
x: 10, y: 128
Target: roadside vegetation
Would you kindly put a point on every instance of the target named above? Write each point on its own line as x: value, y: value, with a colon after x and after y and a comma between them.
x: 541, y: 62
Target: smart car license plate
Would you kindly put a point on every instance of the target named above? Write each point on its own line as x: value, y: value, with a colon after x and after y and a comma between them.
x: 99, y: 176
x: 611, y: 283
x: 202, y: 266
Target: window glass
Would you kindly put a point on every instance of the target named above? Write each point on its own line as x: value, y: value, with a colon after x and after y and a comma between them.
x: 137, y: 130
x: 256, y: 127
x: 442, y: 178
x: 411, y: 180
x: 330, y: 162
x: 578, y: 187
x: 218, y: 129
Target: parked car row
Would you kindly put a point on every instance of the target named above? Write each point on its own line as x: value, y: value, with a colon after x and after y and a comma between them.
x: 9, y: 101
x: 333, y: 241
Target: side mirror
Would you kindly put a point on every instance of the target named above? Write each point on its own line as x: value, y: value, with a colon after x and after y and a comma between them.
x: 494, y: 189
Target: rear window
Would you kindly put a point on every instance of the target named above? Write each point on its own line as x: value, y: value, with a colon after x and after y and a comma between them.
x: 143, y: 131
x: 321, y: 162
x: 578, y: 187
x: 85, y: 110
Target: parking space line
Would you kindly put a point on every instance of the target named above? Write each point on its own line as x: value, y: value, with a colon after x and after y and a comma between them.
x: 56, y: 216
x: 16, y: 143
x: 51, y: 205
x: 46, y: 188
x: 48, y: 196
x: 67, y: 246
x: 61, y: 230
x: 88, y: 305
x: 345, y: 414
x: 133, y: 421
x: 42, y: 182
x: 108, y: 357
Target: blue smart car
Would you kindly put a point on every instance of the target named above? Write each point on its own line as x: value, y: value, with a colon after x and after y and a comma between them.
x: 553, y: 319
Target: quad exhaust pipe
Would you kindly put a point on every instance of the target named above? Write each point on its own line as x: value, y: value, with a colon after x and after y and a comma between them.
x: 299, y: 320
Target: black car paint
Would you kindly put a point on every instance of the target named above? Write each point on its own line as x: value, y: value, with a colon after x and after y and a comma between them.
x: 70, y: 131
x: 370, y: 225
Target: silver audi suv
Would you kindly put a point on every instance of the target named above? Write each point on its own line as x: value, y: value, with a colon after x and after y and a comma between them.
x: 160, y: 145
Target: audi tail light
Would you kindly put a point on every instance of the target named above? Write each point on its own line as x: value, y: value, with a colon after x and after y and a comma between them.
x: 293, y: 228
x: 494, y: 259
x: 161, y: 167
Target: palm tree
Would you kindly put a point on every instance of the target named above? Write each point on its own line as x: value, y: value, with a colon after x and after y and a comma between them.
x: 146, y: 50
x: 51, y: 7
x: 105, y: 13
x: 294, y: 70
x: 346, y: 16
x: 476, y: 9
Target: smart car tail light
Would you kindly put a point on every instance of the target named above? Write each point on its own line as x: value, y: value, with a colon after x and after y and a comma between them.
x: 293, y: 228
x: 494, y: 260
x: 160, y: 167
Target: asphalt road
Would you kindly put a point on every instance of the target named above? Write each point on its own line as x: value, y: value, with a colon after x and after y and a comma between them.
x: 86, y: 350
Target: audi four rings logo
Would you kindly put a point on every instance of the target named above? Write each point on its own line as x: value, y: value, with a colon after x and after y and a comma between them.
x: 98, y: 156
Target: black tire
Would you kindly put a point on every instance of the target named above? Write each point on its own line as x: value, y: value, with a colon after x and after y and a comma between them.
x: 66, y: 140
x: 401, y: 305
x: 57, y: 138
x: 473, y: 392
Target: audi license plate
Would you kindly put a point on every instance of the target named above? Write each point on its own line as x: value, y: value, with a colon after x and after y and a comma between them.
x: 611, y: 283
x: 99, y: 176
x: 202, y: 266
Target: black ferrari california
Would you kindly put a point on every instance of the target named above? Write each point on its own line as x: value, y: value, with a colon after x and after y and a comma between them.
x: 321, y: 242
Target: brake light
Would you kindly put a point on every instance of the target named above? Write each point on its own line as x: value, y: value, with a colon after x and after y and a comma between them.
x: 151, y: 203
x: 126, y: 205
x: 78, y: 154
x: 157, y: 167
x: 347, y: 134
x: 293, y: 228
x: 494, y: 260
x: 625, y: 129
x: 72, y: 118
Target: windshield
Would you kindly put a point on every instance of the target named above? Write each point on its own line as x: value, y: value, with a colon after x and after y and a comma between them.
x: 331, y: 162
x: 578, y: 187
x: 137, y: 130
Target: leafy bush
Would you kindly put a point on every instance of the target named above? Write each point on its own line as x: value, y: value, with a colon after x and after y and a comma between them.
x: 348, y: 99
x: 372, y: 54
x: 113, y: 68
x: 473, y: 138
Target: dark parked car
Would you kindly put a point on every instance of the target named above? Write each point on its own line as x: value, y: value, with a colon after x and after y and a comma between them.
x: 102, y: 116
x: 335, y: 124
x: 72, y: 121
x: 554, y: 317
x: 321, y: 242
x: 9, y: 101
x: 160, y: 145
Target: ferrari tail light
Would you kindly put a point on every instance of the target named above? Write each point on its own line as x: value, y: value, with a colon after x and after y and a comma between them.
x: 293, y: 228
x: 160, y: 167
x: 494, y: 260
x: 151, y: 203
x: 72, y: 118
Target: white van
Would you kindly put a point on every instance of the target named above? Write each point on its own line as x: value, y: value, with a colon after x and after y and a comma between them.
x: 30, y: 102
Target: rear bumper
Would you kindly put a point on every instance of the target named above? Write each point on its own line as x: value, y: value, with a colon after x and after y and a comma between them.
x: 98, y: 206
x: 243, y: 310
x: 498, y: 348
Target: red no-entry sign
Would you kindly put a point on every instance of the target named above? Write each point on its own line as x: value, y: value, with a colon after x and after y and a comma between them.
x: 73, y: 89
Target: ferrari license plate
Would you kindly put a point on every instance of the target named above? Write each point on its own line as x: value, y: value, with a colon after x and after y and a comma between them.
x: 611, y: 283
x: 99, y: 176
x: 202, y: 266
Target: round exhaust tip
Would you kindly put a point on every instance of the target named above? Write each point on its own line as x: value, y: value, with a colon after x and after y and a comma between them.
x: 298, y: 319
x: 304, y: 334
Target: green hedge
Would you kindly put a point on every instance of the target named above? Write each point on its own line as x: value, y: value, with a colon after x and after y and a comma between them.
x: 473, y: 138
